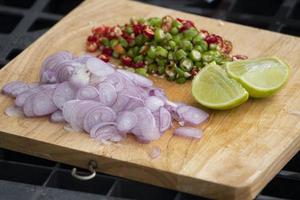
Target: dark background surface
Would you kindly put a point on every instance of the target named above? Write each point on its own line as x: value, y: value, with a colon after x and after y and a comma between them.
x: 27, y: 177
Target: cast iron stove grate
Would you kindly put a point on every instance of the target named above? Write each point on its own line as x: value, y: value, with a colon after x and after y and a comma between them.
x: 28, y: 177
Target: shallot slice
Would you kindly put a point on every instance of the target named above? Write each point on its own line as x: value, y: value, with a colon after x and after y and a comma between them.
x: 154, y: 103
x: 137, y: 79
x: 57, y: 116
x: 121, y: 103
x: 189, y: 132
x: 106, y: 131
x: 14, y: 111
x: 165, y: 119
x: 63, y: 93
x: 9, y: 87
x: 21, y: 98
x: 88, y: 93
x: 43, y: 104
x: 28, y: 106
x: 80, y: 76
x: 107, y: 94
x: 133, y: 103
x: 126, y: 121
x: 97, y: 115
x: 145, y: 129
x: 191, y: 115
x: 98, y: 67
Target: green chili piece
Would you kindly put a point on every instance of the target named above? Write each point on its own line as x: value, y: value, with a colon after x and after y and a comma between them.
x: 186, y: 45
x: 130, y: 52
x: 186, y: 64
x: 141, y: 71
x: 207, y: 57
x: 172, y: 44
x: 174, y: 31
x: 154, y: 21
x: 177, y: 39
x: 204, y: 45
x: 105, y: 41
x: 136, y: 50
x: 181, y: 80
x: 139, y: 40
x: 190, y: 33
x: 179, y: 71
x: 160, y: 51
x: 171, y: 55
x: 197, y: 39
x: 176, y: 24
x: 159, y: 35
x: 123, y: 42
x: 168, y: 36
x: 195, y: 55
x: 115, y: 54
x: 138, y: 58
x: 151, y: 52
x: 213, y: 46
x: 129, y: 30
x: 161, y: 61
x: 180, y: 54
x: 148, y: 60
x: 152, y: 68
x: 161, y: 70
x: 113, y: 42
x: 198, y: 64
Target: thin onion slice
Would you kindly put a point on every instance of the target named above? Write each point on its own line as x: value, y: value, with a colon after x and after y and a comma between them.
x: 126, y: 121
x: 57, y: 117
x: 88, y: 93
x: 98, y: 67
x: 189, y: 132
x: 63, y: 93
x: 107, y: 94
x: 14, y: 111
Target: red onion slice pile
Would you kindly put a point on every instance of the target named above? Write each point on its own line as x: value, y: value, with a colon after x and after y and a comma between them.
x: 106, y: 102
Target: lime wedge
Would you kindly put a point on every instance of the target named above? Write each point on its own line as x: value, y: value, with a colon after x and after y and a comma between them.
x: 260, y: 77
x: 214, y: 89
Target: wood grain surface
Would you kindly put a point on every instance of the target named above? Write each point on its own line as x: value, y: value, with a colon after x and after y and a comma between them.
x: 241, y: 151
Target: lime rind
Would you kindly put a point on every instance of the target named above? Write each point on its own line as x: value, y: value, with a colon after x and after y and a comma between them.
x: 221, y: 88
x: 237, y: 70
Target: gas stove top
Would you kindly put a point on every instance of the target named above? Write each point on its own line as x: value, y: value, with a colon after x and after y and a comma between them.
x: 27, y: 177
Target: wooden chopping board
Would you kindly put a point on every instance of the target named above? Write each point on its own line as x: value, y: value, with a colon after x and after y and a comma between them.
x: 242, y: 149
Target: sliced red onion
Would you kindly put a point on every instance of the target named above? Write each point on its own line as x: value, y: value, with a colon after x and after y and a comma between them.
x: 121, y: 103
x: 118, y: 81
x: 80, y: 76
x: 21, y: 98
x: 98, y: 67
x: 189, y: 132
x: 97, y: 115
x: 145, y: 129
x: 20, y: 90
x: 154, y: 152
x: 107, y: 94
x: 9, y: 87
x: 68, y: 109
x: 83, y: 58
x: 28, y: 106
x: 78, y: 113
x: 14, y: 111
x: 106, y: 131
x: 88, y: 93
x: 126, y: 121
x: 63, y: 93
x: 134, y: 102
x: 154, y: 103
x: 57, y: 117
x: 191, y: 114
x: 43, y: 104
x: 165, y: 119
x: 138, y: 79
